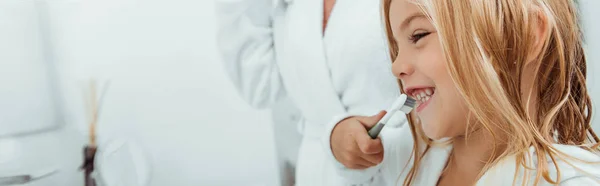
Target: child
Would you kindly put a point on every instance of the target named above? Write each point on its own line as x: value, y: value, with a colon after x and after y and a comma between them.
x: 501, y: 96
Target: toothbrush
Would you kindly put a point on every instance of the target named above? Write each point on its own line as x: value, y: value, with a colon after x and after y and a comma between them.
x: 403, y: 103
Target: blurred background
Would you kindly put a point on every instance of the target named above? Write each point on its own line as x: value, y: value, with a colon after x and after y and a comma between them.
x: 168, y: 92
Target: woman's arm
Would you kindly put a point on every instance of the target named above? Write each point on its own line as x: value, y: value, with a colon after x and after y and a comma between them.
x: 245, y: 41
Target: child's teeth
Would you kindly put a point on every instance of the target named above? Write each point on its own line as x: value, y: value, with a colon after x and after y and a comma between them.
x: 423, y: 95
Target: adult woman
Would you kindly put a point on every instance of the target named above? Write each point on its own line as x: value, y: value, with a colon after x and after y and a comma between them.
x: 287, y: 50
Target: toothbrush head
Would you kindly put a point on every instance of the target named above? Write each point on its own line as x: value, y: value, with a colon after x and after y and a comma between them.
x: 408, y: 105
x: 404, y: 104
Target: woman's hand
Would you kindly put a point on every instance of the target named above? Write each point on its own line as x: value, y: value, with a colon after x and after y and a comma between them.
x: 351, y: 144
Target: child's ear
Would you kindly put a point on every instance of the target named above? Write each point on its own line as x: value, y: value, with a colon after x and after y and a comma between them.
x: 540, y: 32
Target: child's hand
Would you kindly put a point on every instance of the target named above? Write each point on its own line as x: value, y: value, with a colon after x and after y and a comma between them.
x: 351, y: 144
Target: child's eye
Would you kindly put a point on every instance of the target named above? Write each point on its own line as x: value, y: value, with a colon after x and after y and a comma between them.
x: 418, y: 36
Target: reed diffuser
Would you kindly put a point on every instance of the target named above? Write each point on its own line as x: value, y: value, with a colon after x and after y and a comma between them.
x: 89, y: 151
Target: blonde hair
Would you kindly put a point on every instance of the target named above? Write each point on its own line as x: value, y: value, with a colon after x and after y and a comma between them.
x: 486, y: 45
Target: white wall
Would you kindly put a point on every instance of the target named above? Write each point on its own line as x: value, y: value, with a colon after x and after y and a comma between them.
x: 168, y: 89
x: 32, y: 138
x: 24, y: 71
x: 590, y: 14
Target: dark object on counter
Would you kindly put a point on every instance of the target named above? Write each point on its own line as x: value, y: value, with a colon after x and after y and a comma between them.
x: 89, y: 154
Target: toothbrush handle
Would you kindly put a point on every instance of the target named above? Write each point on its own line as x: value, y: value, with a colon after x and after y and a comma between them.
x: 374, y: 132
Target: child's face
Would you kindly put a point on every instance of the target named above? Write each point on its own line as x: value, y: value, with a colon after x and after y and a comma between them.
x: 421, y: 67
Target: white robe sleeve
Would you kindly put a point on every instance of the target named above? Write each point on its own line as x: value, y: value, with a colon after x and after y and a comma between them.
x: 397, y: 145
x: 581, y: 181
x: 574, y: 172
x: 245, y: 40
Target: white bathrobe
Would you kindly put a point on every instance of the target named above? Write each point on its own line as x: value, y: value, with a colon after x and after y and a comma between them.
x: 398, y: 144
x: 277, y: 49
